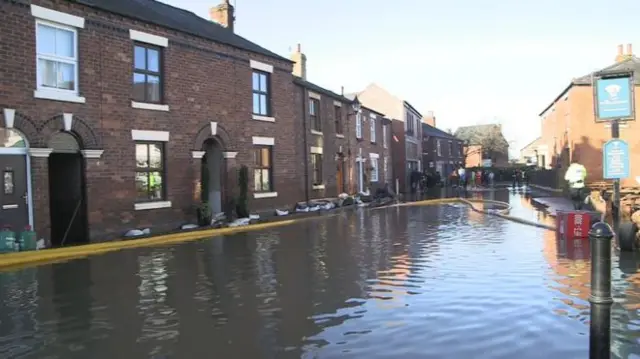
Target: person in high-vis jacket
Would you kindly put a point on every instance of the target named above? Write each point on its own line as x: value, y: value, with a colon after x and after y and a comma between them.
x: 576, y: 176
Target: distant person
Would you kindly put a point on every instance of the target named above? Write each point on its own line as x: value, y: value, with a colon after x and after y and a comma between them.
x: 472, y: 179
x: 462, y: 175
x: 491, y: 176
x: 576, y: 176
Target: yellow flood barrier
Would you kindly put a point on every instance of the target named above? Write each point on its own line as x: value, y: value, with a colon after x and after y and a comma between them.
x: 31, y: 258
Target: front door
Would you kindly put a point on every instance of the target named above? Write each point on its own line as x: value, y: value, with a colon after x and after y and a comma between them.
x: 340, y: 175
x: 13, y: 198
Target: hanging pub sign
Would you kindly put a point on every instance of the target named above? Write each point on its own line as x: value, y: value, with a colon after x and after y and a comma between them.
x: 613, y: 96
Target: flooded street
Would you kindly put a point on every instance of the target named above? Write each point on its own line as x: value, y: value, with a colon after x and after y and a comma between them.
x: 405, y: 282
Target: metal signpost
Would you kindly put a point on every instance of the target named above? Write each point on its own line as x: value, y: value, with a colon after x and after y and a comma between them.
x: 613, y: 98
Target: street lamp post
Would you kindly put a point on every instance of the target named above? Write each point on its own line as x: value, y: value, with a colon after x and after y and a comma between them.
x: 355, y: 110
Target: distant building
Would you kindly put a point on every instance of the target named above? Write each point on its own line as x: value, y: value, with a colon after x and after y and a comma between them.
x: 406, y: 145
x: 529, y: 154
x: 485, y: 146
x: 441, y: 151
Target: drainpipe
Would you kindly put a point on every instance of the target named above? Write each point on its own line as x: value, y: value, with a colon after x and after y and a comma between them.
x: 305, y: 103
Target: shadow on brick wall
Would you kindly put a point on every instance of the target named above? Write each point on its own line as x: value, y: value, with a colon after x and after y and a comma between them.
x: 583, y: 152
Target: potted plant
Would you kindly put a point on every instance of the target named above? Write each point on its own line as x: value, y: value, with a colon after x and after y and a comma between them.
x: 242, y: 204
x: 204, y: 214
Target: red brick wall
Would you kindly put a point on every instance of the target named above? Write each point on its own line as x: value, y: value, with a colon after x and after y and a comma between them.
x: 330, y: 142
x: 204, y: 82
x: 398, y: 150
x: 571, y: 124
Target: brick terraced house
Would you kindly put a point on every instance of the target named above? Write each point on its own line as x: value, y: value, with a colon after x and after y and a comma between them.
x: 347, y: 146
x: 116, y: 111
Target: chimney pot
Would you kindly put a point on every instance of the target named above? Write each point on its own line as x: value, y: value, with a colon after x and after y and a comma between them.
x: 620, y: 50
x: 299, y: 48
x: 629, y: 49
x: 342, y: 90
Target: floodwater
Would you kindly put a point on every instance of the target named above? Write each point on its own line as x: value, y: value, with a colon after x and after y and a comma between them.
x: 405, y: 282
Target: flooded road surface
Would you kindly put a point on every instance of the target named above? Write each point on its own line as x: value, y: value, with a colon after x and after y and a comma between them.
x: 406, y: 282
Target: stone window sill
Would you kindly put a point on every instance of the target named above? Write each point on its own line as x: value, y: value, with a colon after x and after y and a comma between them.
x: 58, y: 96
x: 265, y: 195
x: 263, y: 118
x: 317, y: 133
x: 339, y: 135
x: 152, y: 205
x: 318, y: 186
x: 149, y: 106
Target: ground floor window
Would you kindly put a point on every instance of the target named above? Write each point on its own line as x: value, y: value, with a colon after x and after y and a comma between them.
x: 374, y: 170
x: 385, y: 166
x: 316, y: 168
x: 263, y: 169
x: 150, y: 174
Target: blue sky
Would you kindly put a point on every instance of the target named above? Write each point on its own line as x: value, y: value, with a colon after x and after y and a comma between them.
x: 469, y: 61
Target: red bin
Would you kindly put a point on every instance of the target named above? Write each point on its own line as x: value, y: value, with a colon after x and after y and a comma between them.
x: 574, y: 224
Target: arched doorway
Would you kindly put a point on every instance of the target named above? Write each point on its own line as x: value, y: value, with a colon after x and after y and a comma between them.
x: 211, y: 174
x: 15, y: 196
x: 67, y: 191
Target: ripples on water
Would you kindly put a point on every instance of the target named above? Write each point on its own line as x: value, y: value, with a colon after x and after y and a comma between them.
x: 413, y: 282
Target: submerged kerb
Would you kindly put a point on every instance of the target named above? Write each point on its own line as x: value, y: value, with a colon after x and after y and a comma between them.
x: 18, y: 260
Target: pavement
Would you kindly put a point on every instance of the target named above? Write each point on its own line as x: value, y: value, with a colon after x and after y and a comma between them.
x: 553, y: 204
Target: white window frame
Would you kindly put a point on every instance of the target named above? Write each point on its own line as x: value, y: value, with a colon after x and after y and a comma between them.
x: 374, y: 169
x: 358, y: 125
x: 373, y: 129
x: 438, y: 148
x: 73, y: 61
x: 384, y: 136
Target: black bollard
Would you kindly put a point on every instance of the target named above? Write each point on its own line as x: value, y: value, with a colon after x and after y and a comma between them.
x: 600, y: 331
x: 600, y: 237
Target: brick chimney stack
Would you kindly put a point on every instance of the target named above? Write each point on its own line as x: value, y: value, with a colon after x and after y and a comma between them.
x: 300, y: 66
x: 223, y: 14
x: 430, y: 119
x: 622, y: 56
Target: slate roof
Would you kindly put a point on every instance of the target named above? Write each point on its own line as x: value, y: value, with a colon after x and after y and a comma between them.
x: 321, y: 90
x: 174, y: 18
x: 630, y: 64
x: 436, y: 132
x: 474, y: 135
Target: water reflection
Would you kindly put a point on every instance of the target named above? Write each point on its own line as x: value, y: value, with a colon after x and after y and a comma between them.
x: 410, y: 282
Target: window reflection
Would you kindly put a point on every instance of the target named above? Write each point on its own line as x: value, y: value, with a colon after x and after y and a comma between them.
x: 11, y: 138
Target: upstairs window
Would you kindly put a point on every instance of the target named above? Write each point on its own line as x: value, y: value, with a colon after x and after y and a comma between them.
x: 373, y: 129
x: 261, y: 93
x: 438, y: 148
x: 358, y: 125
x: 147, y: 74
x: 57, y: 57
x: 314, y: 114
x: 384, y: 137
x: 338, y: 119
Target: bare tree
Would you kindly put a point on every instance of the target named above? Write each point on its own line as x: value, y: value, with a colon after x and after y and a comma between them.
x: 488, y: 141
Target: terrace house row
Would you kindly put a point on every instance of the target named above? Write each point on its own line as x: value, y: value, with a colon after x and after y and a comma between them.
x: 346, y: 145
x: 117, y: 113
